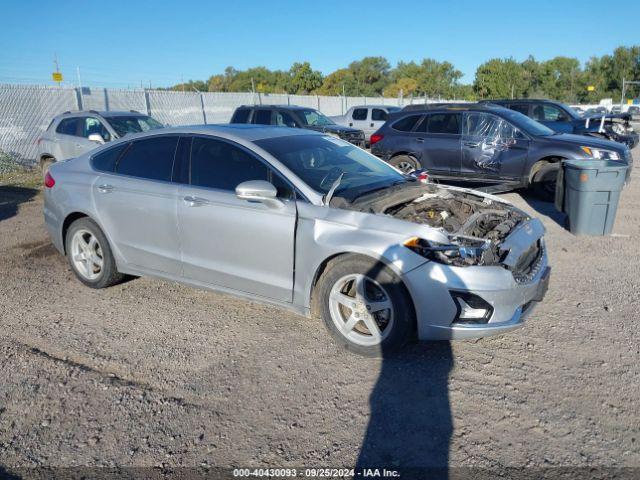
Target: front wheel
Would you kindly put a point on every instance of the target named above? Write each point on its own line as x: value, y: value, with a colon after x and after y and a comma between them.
x: 365, y: 306
x: 543, y: 182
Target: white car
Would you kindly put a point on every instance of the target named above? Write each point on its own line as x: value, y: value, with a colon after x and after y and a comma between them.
x: 367, y: 118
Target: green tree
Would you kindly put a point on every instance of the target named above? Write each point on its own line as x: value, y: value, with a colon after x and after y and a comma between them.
x: 303, y: 79
x: 340, y: 81
x: 371, y: 76
x: 500, y: 78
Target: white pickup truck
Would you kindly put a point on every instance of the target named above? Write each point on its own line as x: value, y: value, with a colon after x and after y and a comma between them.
x: 367, y: 118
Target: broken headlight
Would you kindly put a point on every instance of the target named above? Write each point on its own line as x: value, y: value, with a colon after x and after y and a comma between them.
x: 601, y: 154
x: 449, y: 254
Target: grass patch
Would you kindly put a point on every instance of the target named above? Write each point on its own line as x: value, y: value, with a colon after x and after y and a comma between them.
x: 16, y: 175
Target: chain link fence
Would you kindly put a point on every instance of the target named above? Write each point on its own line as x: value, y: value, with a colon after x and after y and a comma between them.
x: 26, y: 110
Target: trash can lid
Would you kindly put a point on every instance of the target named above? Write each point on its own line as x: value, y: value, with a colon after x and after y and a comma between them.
x: 595, y: 164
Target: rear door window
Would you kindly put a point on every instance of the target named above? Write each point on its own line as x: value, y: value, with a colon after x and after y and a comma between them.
x: 285, y: 119
x: 106, y: 161
x: 444, y: 123
x: 262, y: 117
x: 378, y: 115
x: 359, y: 114
x: 68, y: 126
x: 150, y: 158
x: 221, y: 165
x: 241, y: 115
x: 406, y: 124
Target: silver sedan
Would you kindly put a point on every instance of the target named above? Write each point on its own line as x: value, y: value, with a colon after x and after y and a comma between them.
x: 304, y: 221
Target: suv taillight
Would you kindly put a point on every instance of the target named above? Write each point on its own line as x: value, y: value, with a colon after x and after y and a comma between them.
x: 49, y: 182
x: 375, y: 138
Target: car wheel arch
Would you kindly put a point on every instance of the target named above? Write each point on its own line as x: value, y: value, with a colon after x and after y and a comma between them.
x: 538, y: 164
x: 338, y: 256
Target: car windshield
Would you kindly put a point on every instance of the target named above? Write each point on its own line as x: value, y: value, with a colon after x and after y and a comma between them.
x: 124, y: 125
x: 314, y: 118
x: 527, y: 124
x: 572, y: 111
x: 393, y: 109
x: 318, y: 160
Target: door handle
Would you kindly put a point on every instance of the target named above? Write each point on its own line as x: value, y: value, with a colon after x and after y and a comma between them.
x: 371, y: 124
x: 351, y: 124
x: 104, y: 188
x: 472, y: 144
x: 420, y: 140
x: 191, y: 201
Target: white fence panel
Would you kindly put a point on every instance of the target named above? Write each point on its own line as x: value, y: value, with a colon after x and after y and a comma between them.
x: 126, y: 100
x: 25, y: 113
x: 219, y: 106
x: 176, y: 108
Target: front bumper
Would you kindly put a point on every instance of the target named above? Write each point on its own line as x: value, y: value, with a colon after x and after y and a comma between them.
x: 430, y: 286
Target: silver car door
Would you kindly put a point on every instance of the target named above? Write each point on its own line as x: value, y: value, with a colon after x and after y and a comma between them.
x: 89, y: 126
x: 378, y: 117
x: 229, y: 242
x: 137, y: 204
x: 67, y: 137
x: 360, y: 118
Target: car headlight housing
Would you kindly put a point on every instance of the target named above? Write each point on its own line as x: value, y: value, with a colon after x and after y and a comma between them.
x: 475, y: 253
x: 601, y: 154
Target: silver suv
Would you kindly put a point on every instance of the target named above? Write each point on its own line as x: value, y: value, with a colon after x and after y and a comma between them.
x: 74, y: 133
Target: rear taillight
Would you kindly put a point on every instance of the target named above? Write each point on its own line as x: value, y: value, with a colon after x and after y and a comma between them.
x: 375, y: 138
x: 49, y: 182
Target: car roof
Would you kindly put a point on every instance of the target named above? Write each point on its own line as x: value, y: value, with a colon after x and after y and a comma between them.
x: 448, y: 107
x: 245, y: 131
x: 103, y: 113
x: 285, y: 107
x: 520, y: 100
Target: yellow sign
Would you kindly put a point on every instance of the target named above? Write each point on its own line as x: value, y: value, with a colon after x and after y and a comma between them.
x: 57, y: 76
x: 591, y: 88
x: 629, y: 102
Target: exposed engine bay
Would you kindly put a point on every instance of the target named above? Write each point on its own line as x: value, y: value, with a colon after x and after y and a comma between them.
x: 475, y: 225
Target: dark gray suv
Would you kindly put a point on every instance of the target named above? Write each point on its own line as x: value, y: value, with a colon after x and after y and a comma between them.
x: 296, y: 117
x: 486, y: 144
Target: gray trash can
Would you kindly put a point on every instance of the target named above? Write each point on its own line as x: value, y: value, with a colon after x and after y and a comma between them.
x: 588, y: 192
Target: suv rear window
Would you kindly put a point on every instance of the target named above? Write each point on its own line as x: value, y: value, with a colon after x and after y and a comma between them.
x: 241, y: 115
x: 68, y: 126
x: 406, y: 124
x: 262, y: 117
x: 150, y: 158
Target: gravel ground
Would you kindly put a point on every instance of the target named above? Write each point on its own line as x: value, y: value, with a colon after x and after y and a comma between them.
x: 151, y: 373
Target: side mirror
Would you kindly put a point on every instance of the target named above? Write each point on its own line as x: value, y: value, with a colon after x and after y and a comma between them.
x: 96, y: 137
x: 259, y: 191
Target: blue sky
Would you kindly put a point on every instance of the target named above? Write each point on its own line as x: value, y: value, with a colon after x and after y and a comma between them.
x: 120, y: 44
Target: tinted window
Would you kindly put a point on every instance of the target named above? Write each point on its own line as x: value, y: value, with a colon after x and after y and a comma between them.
x: 218, y: 164
x: 524, y: 109
x: 106, y: 161
x: 284, y: 189
x: 359, y: 114
x: 91, y: 125
x: 285, y: 119
x: 150, y: 158
x: 378, y: 115
x: 406, y: 124
x: 444, y: 123
x: 548, y: 113
x: 68, y: 126
x: 241, y: 115
x: 262, y: 117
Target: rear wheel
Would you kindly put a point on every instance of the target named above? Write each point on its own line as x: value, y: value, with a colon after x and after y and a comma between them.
x: 90, y: 256
x: 543, y: 182
x: 365, y: 306
x: 405, y: 163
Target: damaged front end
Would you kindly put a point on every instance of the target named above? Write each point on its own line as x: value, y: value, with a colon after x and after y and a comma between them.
x: 481, y: 230
x: 612, y: 127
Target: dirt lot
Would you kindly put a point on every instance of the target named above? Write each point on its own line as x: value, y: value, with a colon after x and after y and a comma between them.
x: 150, y: 373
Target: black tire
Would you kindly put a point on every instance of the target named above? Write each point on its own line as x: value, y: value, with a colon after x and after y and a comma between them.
x: 108, y: 274
x: 543, y: 182
x: 45, y: 163
x: 403, y: 325
x: 405, y: 163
